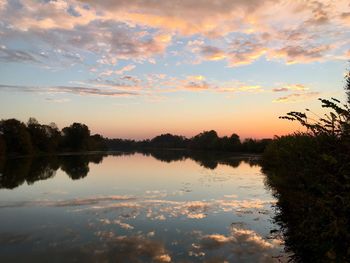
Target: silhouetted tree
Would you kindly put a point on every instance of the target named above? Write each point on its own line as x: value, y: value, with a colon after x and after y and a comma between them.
x: 45, y: 138
x: 231, y: 144
x: 168, y: 141
x: 208, y: 140
x: 76, y: 137
x: 16, y: 137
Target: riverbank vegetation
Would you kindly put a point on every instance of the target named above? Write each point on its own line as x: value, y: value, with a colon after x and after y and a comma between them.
x: 310, y: 176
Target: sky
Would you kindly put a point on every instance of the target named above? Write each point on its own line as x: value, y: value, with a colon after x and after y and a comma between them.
x: 139, y: 68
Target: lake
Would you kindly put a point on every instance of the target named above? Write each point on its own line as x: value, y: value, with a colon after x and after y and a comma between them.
x: 168, y: 206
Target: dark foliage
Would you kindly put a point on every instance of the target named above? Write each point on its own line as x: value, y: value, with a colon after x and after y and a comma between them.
x: 97, y: 143
x: 208, y: 140
x: 255, y: 146
x: 16, y: 137
x: 45, y: 138
x: 76, y: 137
x: 205, y: 141
x: 19, y: 139
x: 310, y: 177
x: 168, y: 141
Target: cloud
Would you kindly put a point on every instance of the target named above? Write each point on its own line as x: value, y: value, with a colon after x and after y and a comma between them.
x: 345, y: 17
x: 236, y: 31
x: 290, y: 87
x: 245, y: 51
x: 185, y: 17
x: 125, y: 69
x: 132, y: 79
x: 66, y: 89
x: 297, y: 97
x: 30, y: 14
x: 195, y: 86
x: 63, y: 100
x: 121, y: 71
x: 108, y: 41
x: 3, y: 4
x: 212, y: 53
x: 239, y: 87
x: 196, y: 78
x: 240, y: 51
x: 151, y: 87
x: 299, y: 54
x: 16, y: 55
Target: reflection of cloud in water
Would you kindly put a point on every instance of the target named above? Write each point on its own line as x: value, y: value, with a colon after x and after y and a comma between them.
x: 156, y: 194
x: 72, y: 202
x: 55, y: 192
x: 116, y: 222
x: 132, y: 248
x: 107, y: 248
x: 9, y: 238
x: 231, y: 196
x: 155, y: 209
x: 241, y: 245
x: 93, y: 200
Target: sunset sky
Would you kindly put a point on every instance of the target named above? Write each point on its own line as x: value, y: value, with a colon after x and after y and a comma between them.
x: 139, y: 68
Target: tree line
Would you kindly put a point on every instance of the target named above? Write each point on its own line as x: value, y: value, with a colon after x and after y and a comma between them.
x: 18, y: 138
x: 204, y: 141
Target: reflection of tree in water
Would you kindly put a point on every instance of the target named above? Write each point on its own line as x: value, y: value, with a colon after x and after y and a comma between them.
x: 167, y: 156
x: 207, y: 159
x: 42, y: 168
x: 15, y: 172
x: 75, y: 166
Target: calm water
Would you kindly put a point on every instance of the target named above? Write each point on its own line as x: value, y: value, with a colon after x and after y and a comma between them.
x: 159, y: 207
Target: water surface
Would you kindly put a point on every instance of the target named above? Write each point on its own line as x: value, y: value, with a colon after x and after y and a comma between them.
x: 136, y: 207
